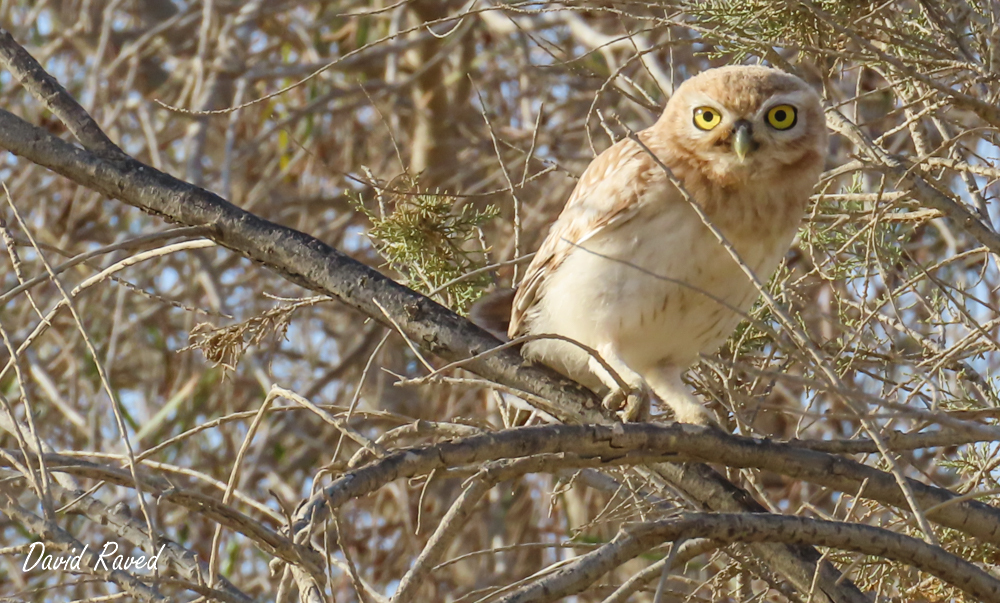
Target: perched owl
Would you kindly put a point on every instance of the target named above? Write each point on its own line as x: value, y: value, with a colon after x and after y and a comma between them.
x: 630, y: 270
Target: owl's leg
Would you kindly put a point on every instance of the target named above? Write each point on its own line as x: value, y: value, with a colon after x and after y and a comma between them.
x: 665, y: 381
x: 633, y: 400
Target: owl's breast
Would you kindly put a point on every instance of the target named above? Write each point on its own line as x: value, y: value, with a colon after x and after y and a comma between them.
x: 660, y: 287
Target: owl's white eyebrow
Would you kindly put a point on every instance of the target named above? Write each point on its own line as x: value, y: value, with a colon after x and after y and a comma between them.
x: 789, y: 98
x: 703, y: 100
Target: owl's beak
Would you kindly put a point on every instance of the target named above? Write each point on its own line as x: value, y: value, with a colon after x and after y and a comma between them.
x: 742, y: 138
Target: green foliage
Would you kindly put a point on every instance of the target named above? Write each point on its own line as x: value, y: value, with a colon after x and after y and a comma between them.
x: 850, y: 233
x: 831, y: 29
x: 974, y: 465
x: 749, y: 338
x: 762, y: 23
x: 424, y: 237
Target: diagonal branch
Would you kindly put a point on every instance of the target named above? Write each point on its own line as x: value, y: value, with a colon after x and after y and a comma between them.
x: 299, y: 257
x: 47, y: 90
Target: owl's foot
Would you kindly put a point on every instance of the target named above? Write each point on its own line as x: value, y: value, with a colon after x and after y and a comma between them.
x: 698, y: 415
x: 615, y: 400
x: 636, y: 408
x: 690, y: 410
x: 632, y: 405
x: 673, y: 394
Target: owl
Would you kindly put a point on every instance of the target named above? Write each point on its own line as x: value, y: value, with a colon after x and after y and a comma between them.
x: 631, y: 271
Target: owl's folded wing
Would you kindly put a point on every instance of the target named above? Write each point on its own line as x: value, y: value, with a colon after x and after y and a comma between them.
x: 607, y: 194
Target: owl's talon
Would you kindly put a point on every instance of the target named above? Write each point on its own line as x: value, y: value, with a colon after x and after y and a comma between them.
x: 615, y: 400
x: 636, y: 408
x: 632, y: 405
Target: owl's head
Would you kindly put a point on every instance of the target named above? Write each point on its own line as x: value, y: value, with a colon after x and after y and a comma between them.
x: 743, y: 123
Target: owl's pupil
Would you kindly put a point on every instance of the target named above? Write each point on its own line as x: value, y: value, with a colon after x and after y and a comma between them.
x: 779, y: 115
x: 709, y: 116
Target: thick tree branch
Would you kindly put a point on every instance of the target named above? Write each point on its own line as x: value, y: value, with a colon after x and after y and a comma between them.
x: 633, y: 443
x: 635, y: 539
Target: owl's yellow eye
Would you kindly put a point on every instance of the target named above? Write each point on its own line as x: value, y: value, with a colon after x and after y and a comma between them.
x: 781, y: 117
x: 706, y: 118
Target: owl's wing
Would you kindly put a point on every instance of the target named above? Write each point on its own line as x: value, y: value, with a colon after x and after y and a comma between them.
x: 607, y: 194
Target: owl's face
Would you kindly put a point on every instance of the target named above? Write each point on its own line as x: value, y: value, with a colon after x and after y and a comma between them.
x: 745, y: 123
